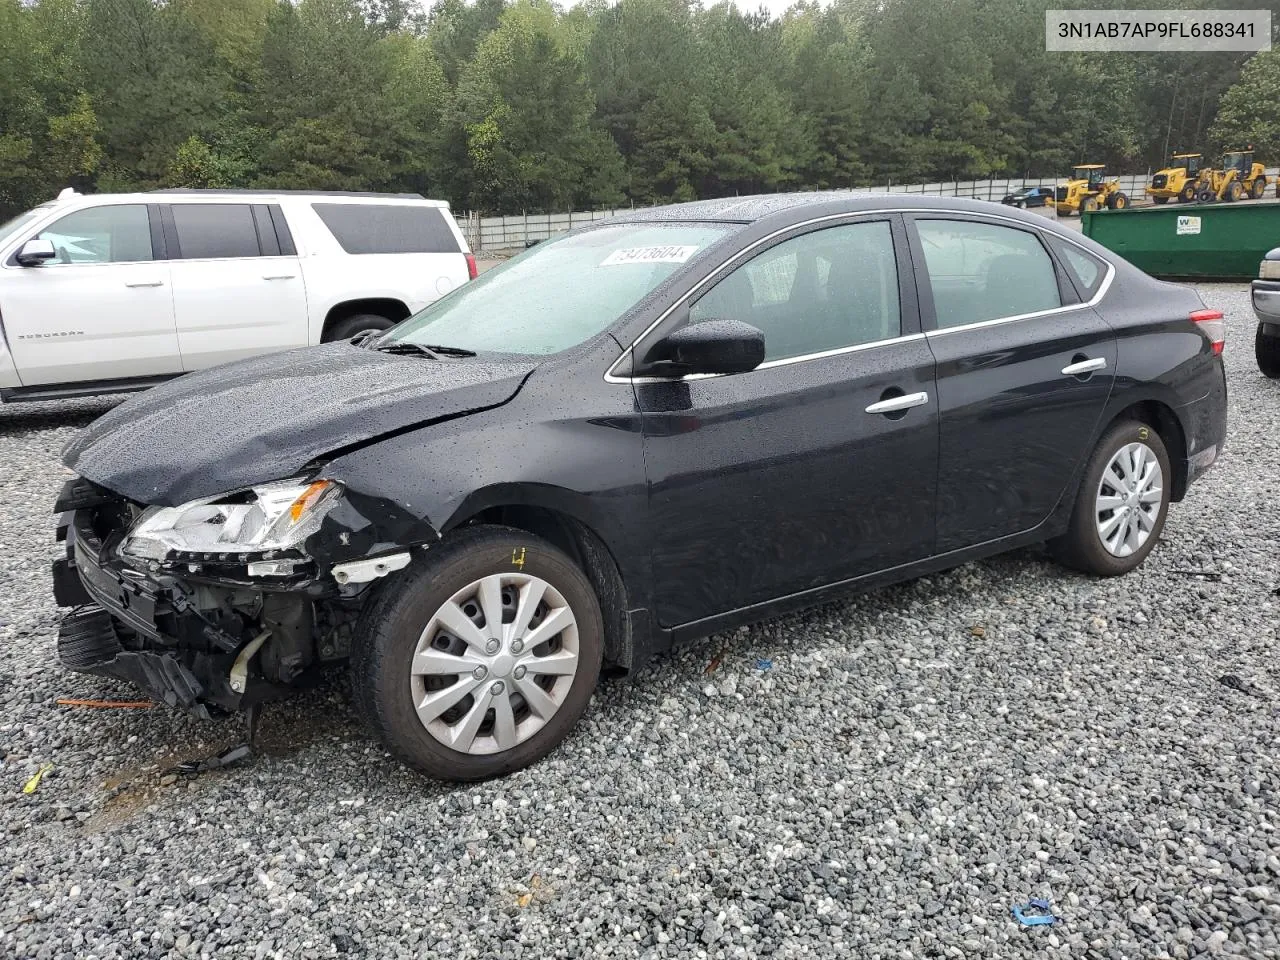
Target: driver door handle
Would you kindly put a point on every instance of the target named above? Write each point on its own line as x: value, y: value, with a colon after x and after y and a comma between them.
x: 278, y: 276
x: 895, y: 404
x: 1084, y: 366
x: 146, y: 283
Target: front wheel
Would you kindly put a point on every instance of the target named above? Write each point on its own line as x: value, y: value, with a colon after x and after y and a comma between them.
x: 1160, y: 200
x: 1266, y: 347
x: 1122, y: 502
x: 479, y: 660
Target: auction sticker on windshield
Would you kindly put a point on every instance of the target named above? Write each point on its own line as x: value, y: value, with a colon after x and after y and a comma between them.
x: 672, y: 253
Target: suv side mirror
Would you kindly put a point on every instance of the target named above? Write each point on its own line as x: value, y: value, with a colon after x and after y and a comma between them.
x: 712, y: 346
x: 35, y: 252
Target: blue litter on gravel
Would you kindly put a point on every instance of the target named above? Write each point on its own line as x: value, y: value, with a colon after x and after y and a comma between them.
x: 1034, y: 913
x: 763, y: 663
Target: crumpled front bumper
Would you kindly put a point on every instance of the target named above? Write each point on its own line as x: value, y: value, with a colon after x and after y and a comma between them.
x: 132, y: 627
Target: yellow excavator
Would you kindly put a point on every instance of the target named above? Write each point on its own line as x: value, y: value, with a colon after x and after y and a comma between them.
x: 1181, y: 179
x: 1238, y: 178
x: 1088, y: 189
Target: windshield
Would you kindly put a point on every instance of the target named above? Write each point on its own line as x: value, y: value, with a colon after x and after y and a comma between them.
x: 1233, y: 161
x: 560, y: 293
x: 15, y: 224
x: 1092, y: 174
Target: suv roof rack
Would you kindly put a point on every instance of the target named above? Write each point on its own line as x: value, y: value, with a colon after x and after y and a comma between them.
x: 303, y: 193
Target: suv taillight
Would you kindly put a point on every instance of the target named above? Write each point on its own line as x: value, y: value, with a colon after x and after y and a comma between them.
x: 1212, y: 326
x: 472, y: 272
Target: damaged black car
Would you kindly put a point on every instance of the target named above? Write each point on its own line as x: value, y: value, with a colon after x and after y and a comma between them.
x: 651, y: 429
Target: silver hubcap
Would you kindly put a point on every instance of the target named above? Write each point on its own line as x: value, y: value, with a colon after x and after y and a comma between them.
x: 495, y: 663
x: 1130, y: 496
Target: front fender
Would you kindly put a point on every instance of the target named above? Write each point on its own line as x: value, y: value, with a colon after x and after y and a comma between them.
x: 590, y: 469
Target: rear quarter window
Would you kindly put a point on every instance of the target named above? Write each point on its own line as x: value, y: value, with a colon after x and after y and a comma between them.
x: 386, y: 228
x: 1087, y: 271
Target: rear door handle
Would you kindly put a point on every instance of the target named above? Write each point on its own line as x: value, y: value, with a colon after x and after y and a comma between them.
x: 1084, y: 366
x: 895, y: 404
x: 146, y: 283
x: 278, y: 276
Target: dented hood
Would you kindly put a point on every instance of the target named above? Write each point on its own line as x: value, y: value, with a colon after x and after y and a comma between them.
x: 266, y: 418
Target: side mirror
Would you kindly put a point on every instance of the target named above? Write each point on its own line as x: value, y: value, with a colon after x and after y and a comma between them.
x: 712, y: 346
x: 36, y: 252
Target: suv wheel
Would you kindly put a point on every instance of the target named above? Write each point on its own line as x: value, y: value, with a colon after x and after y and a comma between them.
x: 480, y: 660
x: 1266, y: 347
x: 357, y: 325
x: 1122, y: 502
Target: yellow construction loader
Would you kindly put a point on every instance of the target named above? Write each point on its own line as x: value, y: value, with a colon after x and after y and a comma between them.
x: 1181, y: 179
x: 1239, y: 177
x: 1088, y: 189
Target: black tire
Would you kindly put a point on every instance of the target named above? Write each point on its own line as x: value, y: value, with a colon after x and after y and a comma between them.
x: 1087, y: 205
x: 392, y: 623
x: 1258, y: 188
x: 1081, y: 547
x: 1266, y: 347
x: 357, y: 324
x: 1187, y: 193
x: 1235, y: 190
x: 1160, y: 200
x: 1117, y: 201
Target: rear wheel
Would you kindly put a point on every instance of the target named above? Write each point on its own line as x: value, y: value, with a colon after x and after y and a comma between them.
x: 1088, y: 204
x: 1258, y: 188
x: 1266, y: 347
x: 480, y: 660
x: 1118, y: 201
x: 1160, y: 200
x: 356, y: 325
x: 1235, y: 190
x: 1122, y: 502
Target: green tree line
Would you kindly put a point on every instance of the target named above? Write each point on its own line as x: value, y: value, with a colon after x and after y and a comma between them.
x: 510, y: 105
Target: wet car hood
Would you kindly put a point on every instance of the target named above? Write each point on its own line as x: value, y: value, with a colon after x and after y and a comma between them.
x: 267, y: 417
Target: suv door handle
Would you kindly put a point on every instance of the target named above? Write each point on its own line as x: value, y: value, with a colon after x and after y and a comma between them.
x: 898, y: 404
x: 1082, y: 367
x: 146, y: 283
x: 278, y: 276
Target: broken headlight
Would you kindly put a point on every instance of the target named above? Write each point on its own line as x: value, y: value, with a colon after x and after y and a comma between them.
x: 258, y: 521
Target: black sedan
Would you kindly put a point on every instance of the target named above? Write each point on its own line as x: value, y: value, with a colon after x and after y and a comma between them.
x: 1029, y: 197
x: 660, y: 426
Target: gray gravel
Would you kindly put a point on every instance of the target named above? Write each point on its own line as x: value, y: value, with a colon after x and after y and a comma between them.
x: 913, y: 763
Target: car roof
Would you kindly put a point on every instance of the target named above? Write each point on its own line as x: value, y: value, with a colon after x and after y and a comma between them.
x: 259, y: 196
x: 786, y: 207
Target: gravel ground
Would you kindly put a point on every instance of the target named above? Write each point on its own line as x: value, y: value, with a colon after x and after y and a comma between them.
x: 911, y: 764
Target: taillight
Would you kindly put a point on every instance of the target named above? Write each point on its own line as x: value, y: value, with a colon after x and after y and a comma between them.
x: 472, y: 272
x: 1212, y: 326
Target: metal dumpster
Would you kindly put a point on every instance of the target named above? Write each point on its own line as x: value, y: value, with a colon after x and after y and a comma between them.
x: 1212, y: 241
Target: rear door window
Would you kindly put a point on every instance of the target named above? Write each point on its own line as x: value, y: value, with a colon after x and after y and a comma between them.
x: 216, y: 230
x: 387, y: 228
x: 982, y: 271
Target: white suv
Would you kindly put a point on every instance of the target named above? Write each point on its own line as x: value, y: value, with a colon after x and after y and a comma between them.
x: 112, y: 292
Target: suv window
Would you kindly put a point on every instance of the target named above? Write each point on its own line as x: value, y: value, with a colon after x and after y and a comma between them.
x: 1086, y: 270
x: 210, y: 230
x: 824, y: 290
x: 983, y: 271
x: 387, y: 228
x: 110, y: 234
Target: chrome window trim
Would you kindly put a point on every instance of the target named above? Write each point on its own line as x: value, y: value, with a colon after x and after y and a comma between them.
x: 611, y: 377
